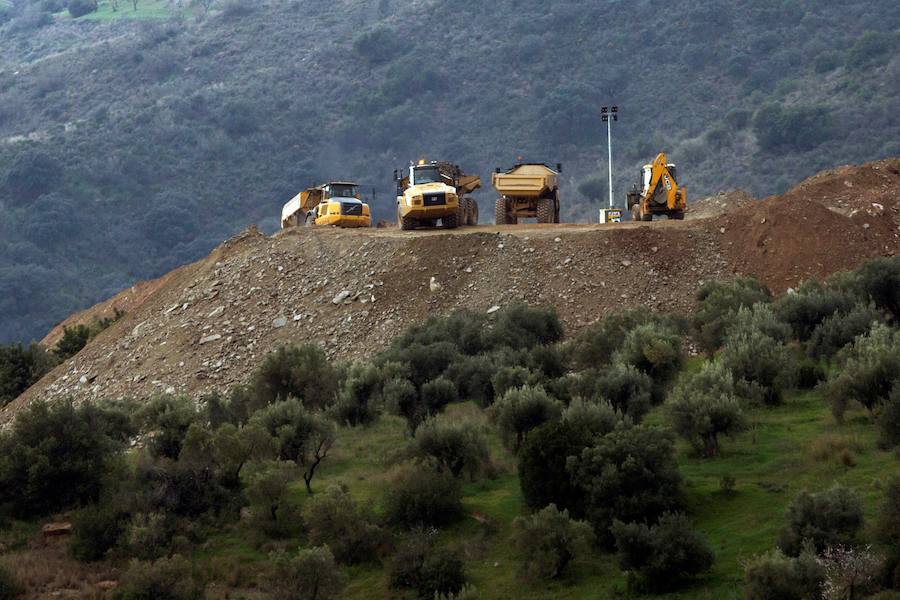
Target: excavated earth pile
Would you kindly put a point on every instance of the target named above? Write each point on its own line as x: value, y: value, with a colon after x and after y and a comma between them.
x: 206, y: 326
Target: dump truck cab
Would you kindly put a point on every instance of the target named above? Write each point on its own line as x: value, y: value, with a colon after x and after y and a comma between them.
x: 338, y: 203
x: 429, y: 192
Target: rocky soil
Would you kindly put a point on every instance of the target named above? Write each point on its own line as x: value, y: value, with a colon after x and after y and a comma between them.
x: 206, y: 326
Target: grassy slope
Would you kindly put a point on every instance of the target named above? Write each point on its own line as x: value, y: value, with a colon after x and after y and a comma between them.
x: 771, y: 463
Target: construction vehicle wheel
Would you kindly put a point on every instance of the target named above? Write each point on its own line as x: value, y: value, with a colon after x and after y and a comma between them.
x: 473, y: 213
x: 635, y: 213
x: 450, y: 221
x: 310, y: 219
x: 405, y: 223
x: 677, y: 216
x: 500, y: 212
x: 647, y: 217
x: 545, y: 210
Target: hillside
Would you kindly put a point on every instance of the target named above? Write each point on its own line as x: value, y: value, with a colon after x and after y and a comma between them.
x: 206, y: 326
x: 131, y: 146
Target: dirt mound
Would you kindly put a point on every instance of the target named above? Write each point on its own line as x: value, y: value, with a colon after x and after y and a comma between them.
x: 206, y: 326
x: 719, y: 204
x: 870, y: 190
x: 786, y: 239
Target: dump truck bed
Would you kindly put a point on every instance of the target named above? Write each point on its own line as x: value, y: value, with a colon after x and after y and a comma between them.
x: 525, y: 181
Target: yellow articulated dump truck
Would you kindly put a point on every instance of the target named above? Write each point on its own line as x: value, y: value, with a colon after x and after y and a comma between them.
x: 435, y: 191
x: 659, y: 193
x: 529, y: 190
x: 337, y: 203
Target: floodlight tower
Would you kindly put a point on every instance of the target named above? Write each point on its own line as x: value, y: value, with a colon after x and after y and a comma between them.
x: 609, y: 114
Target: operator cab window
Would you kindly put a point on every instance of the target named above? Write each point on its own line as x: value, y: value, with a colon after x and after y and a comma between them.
x: 342, y: 191
x: 427, y: 174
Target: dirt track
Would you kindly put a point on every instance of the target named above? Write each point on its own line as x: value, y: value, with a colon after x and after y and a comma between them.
x: 205, y: 326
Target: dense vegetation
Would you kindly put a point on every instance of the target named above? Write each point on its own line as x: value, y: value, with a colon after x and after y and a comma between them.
x: 476, y: 438
x: 131, y: 145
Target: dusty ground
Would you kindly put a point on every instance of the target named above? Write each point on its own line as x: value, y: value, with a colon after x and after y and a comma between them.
x: 207, y: 325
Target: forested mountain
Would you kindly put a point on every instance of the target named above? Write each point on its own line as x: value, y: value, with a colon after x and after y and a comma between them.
x: 136, y: 140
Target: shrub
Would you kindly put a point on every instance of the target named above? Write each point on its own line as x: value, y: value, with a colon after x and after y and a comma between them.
x: 868, y: 49
x: 521, y: 410
x: 421, y: 362
x: 379, y: 45
x: 719, y: 301
x: 301, y: 436
x: 401, y: 398
x: 626, y: 388
x: 432, y: 573
x: 838, y: 330
x: 878, y: 281
x: 509, y: 378
x: 828, y: 518
x: 20, y: 368
x: 10, y: 588
x: 311, y: 574
x: 595, y: 345
x: 889, y: 419
x: 887, y: 528
x: 167, y: 419
x: 55, y: 457
x: 274, y: 510
x: 32, y: 174
x: 594, y: 417
x: 463, y: 329
x: 456, y: 448
x: 542, y: 466
x: 519, y: 327
x: 703, y: 406
x: 658, y: 353
x: 333, y: 519
x: 73, y: 340
x: 868, y: 371
x: 760, y: 362
x: 79, y: 8
x: 782, y: 129
x: 759, y: 317
x: 546, y: 362
x: 96, y: 530
x: 303, y: 372
x: 850, y: 573
x: 549, y: 540
x: 437, y: 394
x: 664, y: 554
x: 807, y: 308
x: 472, y: 376
x: 358, y: 395
x: 810, y: 374
x: 419, y: 497
x: 628, y: 474
x: 776, y: 576
x: 148, y: 536
x: 166, y: 579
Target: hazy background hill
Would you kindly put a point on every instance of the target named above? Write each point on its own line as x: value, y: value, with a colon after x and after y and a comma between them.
x: 134, y: 141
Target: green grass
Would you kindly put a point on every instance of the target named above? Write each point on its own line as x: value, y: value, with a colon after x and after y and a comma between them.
x: 146, y: 9
x: 770, y: 463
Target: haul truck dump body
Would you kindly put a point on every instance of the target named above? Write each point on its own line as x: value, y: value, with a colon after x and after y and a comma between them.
x: 527, y: 191
x: 337, y: 203
x: 435, y: 191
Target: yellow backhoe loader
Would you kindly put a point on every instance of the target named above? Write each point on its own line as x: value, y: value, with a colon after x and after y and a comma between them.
x: 529, y: 190
x: 659, y: 193
x: 432, y: 191
x: 338, y: 204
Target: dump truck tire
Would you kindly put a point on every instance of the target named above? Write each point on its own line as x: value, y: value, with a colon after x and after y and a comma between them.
x: 473, y: 213
x: 450, y: 221
x: 635, y: 213
x: 545, y: 210
x: 500, y: 212
x: 405, y: 223
x: 677, y: 216
x: 310, y: 220
x: 647, y: 217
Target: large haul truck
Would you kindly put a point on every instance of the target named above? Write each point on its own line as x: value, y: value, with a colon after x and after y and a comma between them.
x: 435, y: 191
x: 338, y: 204
x: 529, y: 190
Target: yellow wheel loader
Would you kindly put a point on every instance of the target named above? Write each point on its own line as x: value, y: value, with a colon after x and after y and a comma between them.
x: 435, y: 191
x: 529, y: 190
x: 659, y: 193
x: 338, y: 204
